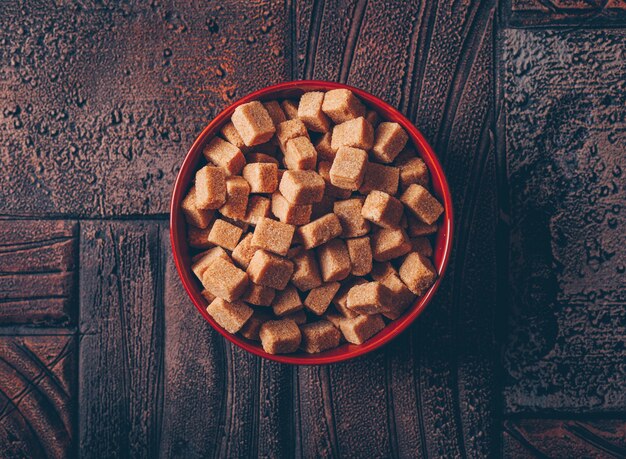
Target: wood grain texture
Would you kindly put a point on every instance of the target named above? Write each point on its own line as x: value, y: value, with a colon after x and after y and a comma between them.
x: 37, y: 396
x: 37, y: 271
x: 565, y: 143
x: 564, y: 438
x: 276, y: 424
x: 566, y: 12
x: 100, y: 101
x: 194, y: 373
x: 433, y: 387
x: 316, y: 423
x: 121, y: 350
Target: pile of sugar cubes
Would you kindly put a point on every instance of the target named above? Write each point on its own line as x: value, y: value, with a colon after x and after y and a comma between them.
x: 310, y: 223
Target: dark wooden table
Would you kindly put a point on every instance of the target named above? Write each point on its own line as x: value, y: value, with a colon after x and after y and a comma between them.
x: 522, y: 353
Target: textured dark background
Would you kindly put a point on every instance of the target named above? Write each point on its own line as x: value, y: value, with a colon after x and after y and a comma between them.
x: 522, y: 354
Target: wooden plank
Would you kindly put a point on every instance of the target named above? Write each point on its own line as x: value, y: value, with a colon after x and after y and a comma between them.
x: 359, y: 397
x: 240, y: 433
x: 37, y: 395
x: 566, y: 12
x: 322, y: 36
x: 276, y: 416
x: 564, y: 438
x: 438, y: 379
x: 97, y: 116
x: 37, y: 271
x: 121, y: 352
x: 565, y: 161
x: 194, y: 373
x: 317, y: 434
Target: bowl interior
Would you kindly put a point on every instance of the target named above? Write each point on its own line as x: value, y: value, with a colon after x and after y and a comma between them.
x: 442, y: 241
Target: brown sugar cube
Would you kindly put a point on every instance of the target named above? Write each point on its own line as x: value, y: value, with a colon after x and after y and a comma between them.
x: 404, y: 224
x: 323, y: 148
x: 275, y: 112
x: 280, y: 336
x: 244, y: 252
x: 224, y: 155
x: 417, y: 273
x: 382, y: 269
x: 199, y: 238
x: 262, y: 177
x: 252, y: 158
x: 342, y: 105
x: 273, y: 236
x: 334, y: 260
x: 361, y: 328
x: 252, y: 327
x: 421, y: 245
x: 196, y: 217
x: 423, y: 205
x: 290, y: 107
x: 287, y: 301
x: 319, y: 336
x: 224, y: 279
x: 402, y: 297
x: 253, y: 123
x: 229, y: 132
x: 210, y: 187
x: 306, y: 273
x: 294, y: 250
x: 258, y: 208
x: 413, y: 170
x: 319, y: 298
x: 310, y: 112
x: 349, y: 214
x: 334, y: 319
x: 382, y: 209
x: 302, y: 187
x: 357, y: 133
x: 360, y: 252
x: 390, y: 243
x: 238, y: 223
x: 290, y: 213
x: 323, y: 168
x: 341, y: 299
x: 269, y: 270
x: 230, y: 316
x: 325, y: 206
x: 369, y: 298
x: 207, y: 295
x: 288, y: 130
x: 269, y: 148
x: 300, y: 154
x: 380, y: 177
x: 419, y: 228
x: 373, y: 118
x: 298, y: 317
x: 202, y: 261
x: 348, y: 168
x: 225, y: 234
x: 259, y: 295
x: 389, y: 140
x: 237, y: 193
x: 320, y: 231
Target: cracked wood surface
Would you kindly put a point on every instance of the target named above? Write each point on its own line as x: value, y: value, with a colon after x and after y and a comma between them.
x: 102, y: 354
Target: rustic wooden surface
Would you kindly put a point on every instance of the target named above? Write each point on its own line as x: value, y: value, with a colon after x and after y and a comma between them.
x: 520, y: 355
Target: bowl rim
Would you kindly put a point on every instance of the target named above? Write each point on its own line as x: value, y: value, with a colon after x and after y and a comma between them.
x: 444, y: 233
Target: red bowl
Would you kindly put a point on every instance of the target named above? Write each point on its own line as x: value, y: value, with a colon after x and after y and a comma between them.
x: 443, y: 239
